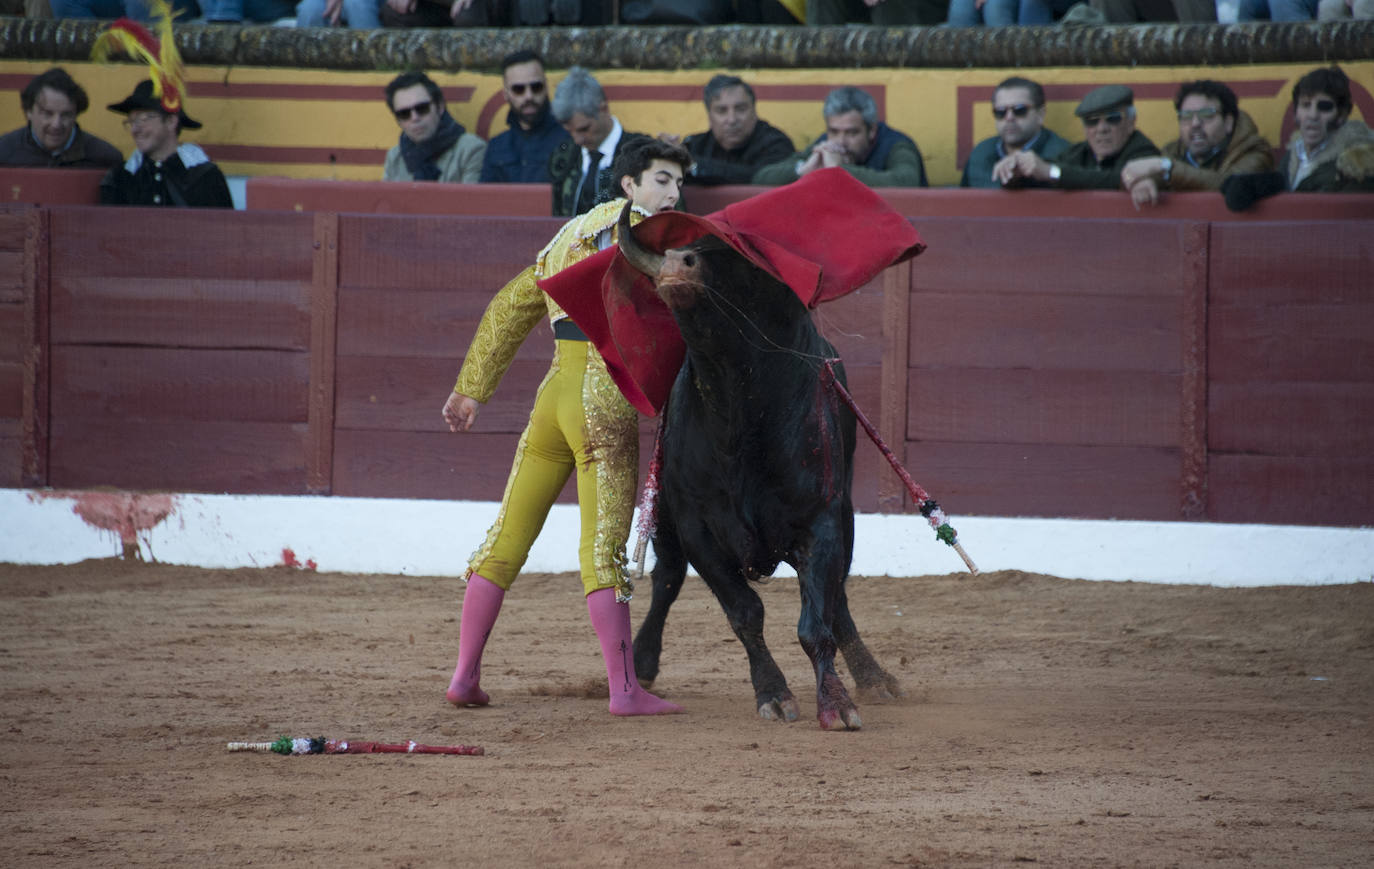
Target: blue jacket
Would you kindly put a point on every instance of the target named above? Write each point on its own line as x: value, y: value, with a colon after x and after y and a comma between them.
x: 520, y: 156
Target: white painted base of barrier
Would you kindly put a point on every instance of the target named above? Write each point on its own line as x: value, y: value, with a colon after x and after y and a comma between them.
x: 434, y: 538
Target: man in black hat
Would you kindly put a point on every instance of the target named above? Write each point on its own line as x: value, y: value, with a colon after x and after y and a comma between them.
x: 1108, y: 115
x: 162, y: 171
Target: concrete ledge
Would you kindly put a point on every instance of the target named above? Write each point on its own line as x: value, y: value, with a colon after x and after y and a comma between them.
x: 730, y: 47
x: 434, y: 538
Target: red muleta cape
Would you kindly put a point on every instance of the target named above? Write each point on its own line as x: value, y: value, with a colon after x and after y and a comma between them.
x: 824, y: 235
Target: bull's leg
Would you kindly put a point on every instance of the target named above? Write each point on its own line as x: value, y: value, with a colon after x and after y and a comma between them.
x: 821, y: 574
x: 744, y: 611
x: 670, y: 568
x: 871, y: 680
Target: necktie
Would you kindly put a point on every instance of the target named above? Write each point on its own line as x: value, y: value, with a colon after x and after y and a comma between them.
x: 586, y: 188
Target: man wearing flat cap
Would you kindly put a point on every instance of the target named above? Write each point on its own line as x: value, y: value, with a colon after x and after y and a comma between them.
x: 162, y: 171
x: 1112, y: 141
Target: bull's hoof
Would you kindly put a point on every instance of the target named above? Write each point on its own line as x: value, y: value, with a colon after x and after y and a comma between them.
x: 840, y: 719
x: 780, y: 709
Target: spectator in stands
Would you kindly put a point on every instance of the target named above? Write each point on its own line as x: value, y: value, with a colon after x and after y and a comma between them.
x: 361, y: 14
x: 1328, y: 153
x: 138, y: 10
x: 257, y: 11
x: 737, y: 143
x: 885, y: 13
x: 1336, y: 10
x: 52, y: 138
x: 537, y: 13
x: 162, y: 170
x: 1108, y: 115
x: 854, y: 138
x: 977, y: 13
x: 1215, y: 139
x: 1018, y: 105
x: 1328, y: 148
x: 580, y: 168
x: 1134, y: 11
x: 521, y: 154
x: 444, y: 13
x: 433, y: 146
x: 1277, y: 10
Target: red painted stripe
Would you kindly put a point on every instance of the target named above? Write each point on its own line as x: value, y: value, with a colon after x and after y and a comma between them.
x: 313, y: 92
x: 278, y: 154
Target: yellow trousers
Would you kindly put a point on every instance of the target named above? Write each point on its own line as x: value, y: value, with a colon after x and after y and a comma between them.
x: 580, y: 422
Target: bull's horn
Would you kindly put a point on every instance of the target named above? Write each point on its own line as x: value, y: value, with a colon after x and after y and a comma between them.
x: 639, y: 256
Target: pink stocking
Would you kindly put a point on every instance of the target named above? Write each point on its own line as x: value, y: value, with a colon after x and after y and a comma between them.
x: 481, y: 605
x: 611, y: 620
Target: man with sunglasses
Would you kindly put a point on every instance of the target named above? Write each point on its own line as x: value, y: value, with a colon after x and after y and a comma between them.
x: 433, y: 146
x: 1108, y: 114
x: 1215, y: 140
x: 1018, y: 109
x: 521, y: 154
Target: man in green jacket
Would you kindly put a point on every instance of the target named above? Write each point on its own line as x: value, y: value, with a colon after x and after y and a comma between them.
x: 856, y: 140
x: 1112, y: 141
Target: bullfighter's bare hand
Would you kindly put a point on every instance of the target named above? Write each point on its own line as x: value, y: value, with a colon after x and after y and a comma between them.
x: 460, y: 411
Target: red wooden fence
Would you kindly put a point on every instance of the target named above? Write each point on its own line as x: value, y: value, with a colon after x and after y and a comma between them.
x: 1173, y: 367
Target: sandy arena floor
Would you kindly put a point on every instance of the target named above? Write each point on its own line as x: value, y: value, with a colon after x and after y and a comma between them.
x: 1050, y: 722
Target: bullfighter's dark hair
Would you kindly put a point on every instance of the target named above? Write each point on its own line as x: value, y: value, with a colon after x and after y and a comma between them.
x: 1329, y: 80
x: 57, y: 79
x: 1212, y: 90
x: 411, y: 79
x: 1037, y: 93
x: 722, y: 82
x: 524, y: 55
x: 637, y: 156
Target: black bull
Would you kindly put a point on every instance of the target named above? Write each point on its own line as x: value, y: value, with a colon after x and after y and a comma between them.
x: 757, y: 470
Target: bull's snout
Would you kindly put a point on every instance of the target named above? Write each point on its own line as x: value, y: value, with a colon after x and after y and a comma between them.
x: 679, y: 280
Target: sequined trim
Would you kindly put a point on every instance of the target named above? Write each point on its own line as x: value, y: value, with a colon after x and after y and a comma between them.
x: 611, y: 437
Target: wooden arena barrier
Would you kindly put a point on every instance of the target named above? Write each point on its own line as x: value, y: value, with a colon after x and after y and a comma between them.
x: 1134, y: 368
x: 397, y: 197
x: 50, y: 186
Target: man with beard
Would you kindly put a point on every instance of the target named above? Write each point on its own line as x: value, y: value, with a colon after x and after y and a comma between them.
x: 857, y: 141
x: 1018, y: 108
x: 433, y: 146
x: 162, y: 171
x: 1215, y: 140
x: 52, y: 138
x: 520, y: 155
x: 737, y: 143
x: 1108, y: 115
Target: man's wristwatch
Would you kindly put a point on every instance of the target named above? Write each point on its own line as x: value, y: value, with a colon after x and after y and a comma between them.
x: 1055, y: 172
x: 1167, y: 167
